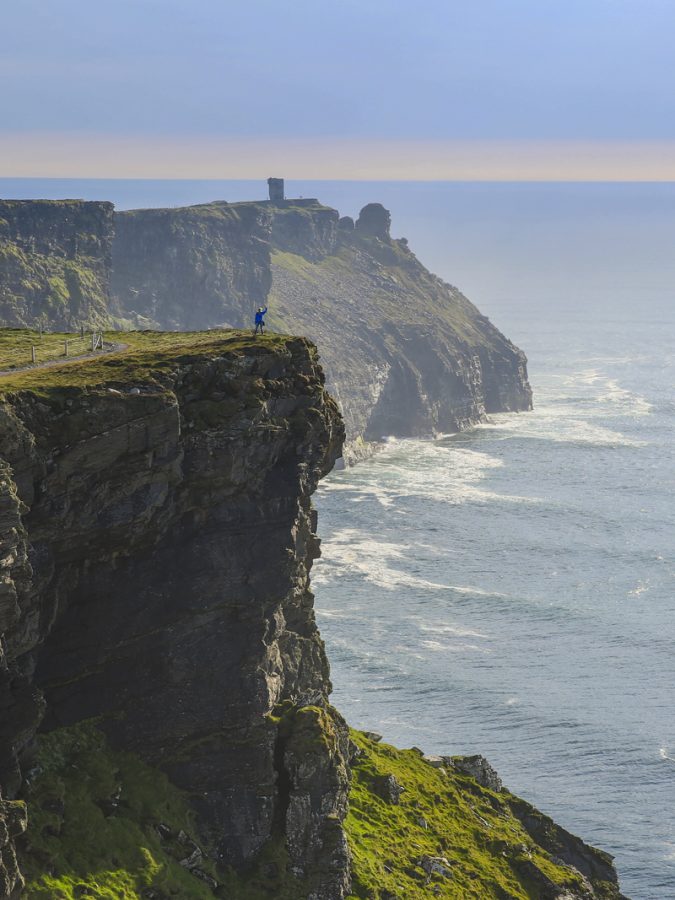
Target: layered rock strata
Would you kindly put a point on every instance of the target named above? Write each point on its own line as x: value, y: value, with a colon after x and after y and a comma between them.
x: 170, y: 538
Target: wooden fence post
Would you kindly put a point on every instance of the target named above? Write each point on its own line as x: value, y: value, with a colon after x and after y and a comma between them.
x: 32, y: 353
x: 65, y: 348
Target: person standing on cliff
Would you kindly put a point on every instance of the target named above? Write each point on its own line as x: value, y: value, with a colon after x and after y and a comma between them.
x: 260, y: 320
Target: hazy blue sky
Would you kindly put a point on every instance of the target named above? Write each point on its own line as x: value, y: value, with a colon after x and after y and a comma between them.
x: 362, y: 70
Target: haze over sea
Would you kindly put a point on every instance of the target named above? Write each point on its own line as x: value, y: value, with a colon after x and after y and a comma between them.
x: 511, y: 590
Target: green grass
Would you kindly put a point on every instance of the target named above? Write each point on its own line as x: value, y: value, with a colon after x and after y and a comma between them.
x: 295, y: 263
x: 401, y: 276
x: 79, y: 845
x: 146, y: 356
x: 16, y: 344
x: 94, y: 816
x: 42, y: 286
x: 473, y: 828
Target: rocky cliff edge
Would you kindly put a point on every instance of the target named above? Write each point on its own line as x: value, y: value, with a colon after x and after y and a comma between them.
x: 165, y: 728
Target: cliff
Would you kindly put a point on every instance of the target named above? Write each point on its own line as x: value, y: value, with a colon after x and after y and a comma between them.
x: 164, y: 687
x: 55, y: 259
x: 405, y: 354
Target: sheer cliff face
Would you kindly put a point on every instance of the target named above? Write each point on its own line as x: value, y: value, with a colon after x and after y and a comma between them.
x: 55, y: 263
x: 182, y: 269
x: 404, y: 353
x: 156, y: 548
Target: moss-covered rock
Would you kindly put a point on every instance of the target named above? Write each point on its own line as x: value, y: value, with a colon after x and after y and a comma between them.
x: 448, y: 836
x: 106, y: 825
x: 55, y: 259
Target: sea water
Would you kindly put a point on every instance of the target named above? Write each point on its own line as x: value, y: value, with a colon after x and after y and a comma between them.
x: 510, y: 590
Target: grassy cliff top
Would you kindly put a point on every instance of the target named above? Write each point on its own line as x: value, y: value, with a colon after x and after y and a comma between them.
x: 223, y: 206
x: 141, y: 356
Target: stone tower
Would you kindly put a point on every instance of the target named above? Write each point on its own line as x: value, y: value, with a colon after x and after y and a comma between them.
x: 276, y: 189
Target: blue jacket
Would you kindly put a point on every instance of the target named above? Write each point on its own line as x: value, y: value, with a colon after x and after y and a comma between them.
x: 259, y: 317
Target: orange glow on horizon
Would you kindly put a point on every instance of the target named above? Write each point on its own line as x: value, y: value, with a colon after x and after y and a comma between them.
x: 101, y: 156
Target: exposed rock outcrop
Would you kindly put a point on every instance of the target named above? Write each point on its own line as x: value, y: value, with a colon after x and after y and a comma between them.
x: 375, y: 220
x: 13, y: 823
x: 479, y: 768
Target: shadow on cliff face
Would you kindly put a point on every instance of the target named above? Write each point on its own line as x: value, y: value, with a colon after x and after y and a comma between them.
x: 171, y: 538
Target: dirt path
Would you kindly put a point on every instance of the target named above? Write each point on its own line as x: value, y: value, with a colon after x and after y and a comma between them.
x: 66, y: 361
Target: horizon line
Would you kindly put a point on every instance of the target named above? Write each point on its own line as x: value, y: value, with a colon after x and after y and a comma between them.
x: 104, y: 157
x: 364, y: 180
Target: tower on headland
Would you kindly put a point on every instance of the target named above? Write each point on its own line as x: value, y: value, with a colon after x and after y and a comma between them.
x: 276, y: 189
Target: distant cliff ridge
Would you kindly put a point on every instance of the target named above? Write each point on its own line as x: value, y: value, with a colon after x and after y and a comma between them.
x: 405, y: 353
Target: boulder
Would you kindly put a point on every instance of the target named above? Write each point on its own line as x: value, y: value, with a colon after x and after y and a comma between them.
x: 435, y: 865
x: 388, y: 788
x: 374, y: 220
x: 479, y: 768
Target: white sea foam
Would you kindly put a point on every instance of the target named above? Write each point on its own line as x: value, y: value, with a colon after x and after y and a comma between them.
x: 332, y: 614
x: 476, y: 592
x: 349, y: 550
x: 433, y: 645
x: 429, y: 469
x: 552, y: 424
x: 569, y: 411
x: 631, y: 403
x: 609, y: 392
x: 460, y: 647
x: 452, y: 629
x: 640, y: 588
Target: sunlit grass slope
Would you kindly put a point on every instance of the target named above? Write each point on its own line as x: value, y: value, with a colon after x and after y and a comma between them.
x: 447, y: 815
x: 143, y: 357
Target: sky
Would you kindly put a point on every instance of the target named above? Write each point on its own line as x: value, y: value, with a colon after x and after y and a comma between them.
x: 464, y: 89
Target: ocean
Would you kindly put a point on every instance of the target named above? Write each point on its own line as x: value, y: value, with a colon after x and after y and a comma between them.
x: 510, y: 591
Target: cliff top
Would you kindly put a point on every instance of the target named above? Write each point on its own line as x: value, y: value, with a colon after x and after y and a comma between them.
x: 143, y: 357
x: 220, y: 207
